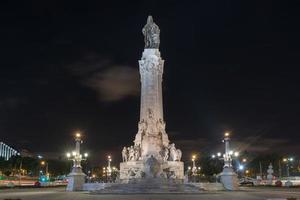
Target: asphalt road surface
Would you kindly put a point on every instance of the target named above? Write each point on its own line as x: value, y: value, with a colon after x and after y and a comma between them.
x: 60, y: 194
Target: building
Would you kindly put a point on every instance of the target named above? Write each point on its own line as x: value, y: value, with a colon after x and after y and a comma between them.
x: 6, y: 151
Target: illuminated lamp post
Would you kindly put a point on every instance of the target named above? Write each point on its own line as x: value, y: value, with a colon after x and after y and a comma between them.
x: 76, y: 178
x: 228, y: 176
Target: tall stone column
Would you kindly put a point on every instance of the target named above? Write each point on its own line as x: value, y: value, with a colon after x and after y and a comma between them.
x: 151, y: 136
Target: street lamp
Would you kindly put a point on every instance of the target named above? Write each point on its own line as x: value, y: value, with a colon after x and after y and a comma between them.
x: 44, y: 163
x: 108, y: 166
x: 76, y: 178
x: 42, y: 177
x: 194, y: 169
x: 287, y: 161
x: 236, y: 154
x: 75, y: 156
x: 228, y: 152
x: 228, y: 177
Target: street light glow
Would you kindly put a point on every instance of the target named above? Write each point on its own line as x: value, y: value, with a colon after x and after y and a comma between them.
x: 226, y: 134
x: 241, y: 167
x: 86, y: 155
x: 78, y: 135
x: 219, y: 154
x: 68, y: 155
x: 236, y: 154
x: 213, y: 156
x: 74, y: 153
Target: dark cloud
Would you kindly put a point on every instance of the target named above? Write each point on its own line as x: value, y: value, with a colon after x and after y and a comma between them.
x: 115, y: 83
x: 112, y: 82
x: 259, y: 145
x: 250, y: 144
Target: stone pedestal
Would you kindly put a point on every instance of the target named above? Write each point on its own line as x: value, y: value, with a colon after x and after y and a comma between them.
x: 76, y: 179
x: 229, y: 179
x: 132, y: 171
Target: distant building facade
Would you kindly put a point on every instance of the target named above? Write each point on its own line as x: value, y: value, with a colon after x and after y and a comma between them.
x: 6, y: 151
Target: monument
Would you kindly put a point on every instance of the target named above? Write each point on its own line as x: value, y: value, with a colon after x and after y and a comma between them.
x: 152, y: 155
x: 270, y: 172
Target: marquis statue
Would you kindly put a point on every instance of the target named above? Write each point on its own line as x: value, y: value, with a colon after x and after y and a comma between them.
x: 151, y: 33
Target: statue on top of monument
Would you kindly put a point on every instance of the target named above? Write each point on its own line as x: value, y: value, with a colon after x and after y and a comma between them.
x: 151, y: 33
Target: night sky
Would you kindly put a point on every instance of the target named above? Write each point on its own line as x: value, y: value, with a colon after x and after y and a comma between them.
x: 229, y: 66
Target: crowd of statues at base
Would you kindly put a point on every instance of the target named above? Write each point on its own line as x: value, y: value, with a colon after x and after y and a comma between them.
x: 169, y: 153
x: 135, y: 173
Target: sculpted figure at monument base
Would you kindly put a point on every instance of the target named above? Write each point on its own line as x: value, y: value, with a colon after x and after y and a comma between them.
x: 134, y: 170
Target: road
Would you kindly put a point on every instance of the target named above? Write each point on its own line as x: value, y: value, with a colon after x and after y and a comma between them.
x: 60, y: 194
